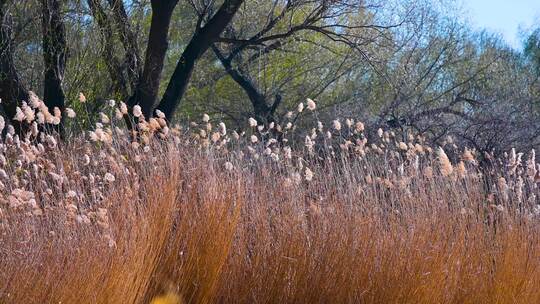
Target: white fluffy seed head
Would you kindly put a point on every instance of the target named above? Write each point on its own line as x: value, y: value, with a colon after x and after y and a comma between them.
x: 444, y: 163
x: 70, y: 113
x: 109, y: 177
x: 51, y: 141
x: 160, y: 114
x: 403, y: 146
x: 300, y: 107
x: 104, y: 118
x: 337, y: 125
x: 311, y: 105
x: 252, y: 122
x: 57, y: 112
x: 123, y: 108
x: 35, y: 102
x: 222, y: 129
x: 215, y: 137
x: 19, y: 115
x: 86, y: 160
x: 205, y: 118
x: 137, y: 111
x: 359, y: 126
x: 71, y: 194
x: 118, y: 114
x: 308, y: 174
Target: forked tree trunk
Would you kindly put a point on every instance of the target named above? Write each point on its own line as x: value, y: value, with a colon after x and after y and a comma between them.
x: 147, y: 82
x: 54, y: 55
x: 198, y: 45
x: 264, y: 112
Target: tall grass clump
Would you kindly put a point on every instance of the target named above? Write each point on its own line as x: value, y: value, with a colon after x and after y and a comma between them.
x: 271, y: 214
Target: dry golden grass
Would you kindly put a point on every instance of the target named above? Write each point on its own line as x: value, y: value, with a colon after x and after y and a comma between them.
x: 191, y: 222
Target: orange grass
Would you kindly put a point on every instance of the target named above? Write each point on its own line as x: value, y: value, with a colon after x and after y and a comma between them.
x: 392, y: 227
x: 211, y: 235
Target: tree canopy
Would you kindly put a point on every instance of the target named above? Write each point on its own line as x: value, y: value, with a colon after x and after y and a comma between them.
x: 406, y: 64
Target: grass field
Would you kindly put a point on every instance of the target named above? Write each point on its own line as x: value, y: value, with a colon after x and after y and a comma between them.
x: 205, y: 215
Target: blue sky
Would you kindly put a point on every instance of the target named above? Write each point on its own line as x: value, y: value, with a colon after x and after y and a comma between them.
x: 504, y: 16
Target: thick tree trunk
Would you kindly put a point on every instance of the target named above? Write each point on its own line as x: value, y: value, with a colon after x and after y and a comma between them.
x: 54, y: 55
x: 12, y: 91
x: 147, y: 89
x: 200, y: 42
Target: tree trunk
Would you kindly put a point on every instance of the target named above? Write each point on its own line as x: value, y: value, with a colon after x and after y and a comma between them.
x: 200, y: 42
x: 147, y: 89
x: 54, y: 55
x: 263, y: 112
x: 12, y: 91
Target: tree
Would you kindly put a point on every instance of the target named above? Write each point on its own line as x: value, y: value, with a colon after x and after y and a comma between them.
x: 148, y: 79
x: 54, y: 54
x: 202, y: 39
x: 147, y: 88
x: 12, y: 89
x: 532, y: 49
x: 287, y: 23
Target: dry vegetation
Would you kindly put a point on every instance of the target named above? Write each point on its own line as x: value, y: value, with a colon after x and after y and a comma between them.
x: 205, y: 215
